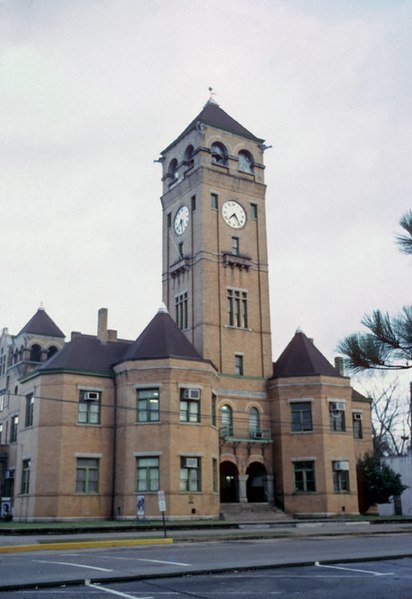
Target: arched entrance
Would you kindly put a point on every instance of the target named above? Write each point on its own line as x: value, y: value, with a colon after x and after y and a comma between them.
x: 256, y: 486
x: 229, y: 482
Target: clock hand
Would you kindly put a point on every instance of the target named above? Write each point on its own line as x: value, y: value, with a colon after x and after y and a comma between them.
x: 234, y: 215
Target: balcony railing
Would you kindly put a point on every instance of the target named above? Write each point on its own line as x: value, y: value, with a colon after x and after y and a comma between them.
x: 228, y: 433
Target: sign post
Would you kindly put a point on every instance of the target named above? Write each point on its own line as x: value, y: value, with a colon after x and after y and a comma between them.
x: 162, y: 508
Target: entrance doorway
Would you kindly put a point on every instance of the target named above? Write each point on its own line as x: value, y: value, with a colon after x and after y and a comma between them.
x: 229, y: 483
x: 256, y: 486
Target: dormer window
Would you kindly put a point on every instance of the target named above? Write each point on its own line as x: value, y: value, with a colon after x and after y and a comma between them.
x: 219, y: 154
x: 245, y: 162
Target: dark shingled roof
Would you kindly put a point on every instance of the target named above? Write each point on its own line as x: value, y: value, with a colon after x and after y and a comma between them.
x: 87, y: 353
x: 302, y: 358
x: 214, y: 116
x: 161, y: 339
x: 42, y: 324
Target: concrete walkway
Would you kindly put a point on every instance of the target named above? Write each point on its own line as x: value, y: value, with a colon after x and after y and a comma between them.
x: 10, y: 543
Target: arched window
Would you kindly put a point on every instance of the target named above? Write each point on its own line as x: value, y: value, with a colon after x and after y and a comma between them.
x: 189, y: 156
x: 245, y: 162
x: 51, y: 351
x: 219, y: 154
x: 254, y: 422
x: 172, y: 171
x: 35, y: 353
x: 227, y: 421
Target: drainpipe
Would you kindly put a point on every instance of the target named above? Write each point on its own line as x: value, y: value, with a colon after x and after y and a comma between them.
x: 114, y: 441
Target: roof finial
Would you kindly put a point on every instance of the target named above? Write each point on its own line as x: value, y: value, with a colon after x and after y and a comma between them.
x: 211, y: 98
x: 41, y: 307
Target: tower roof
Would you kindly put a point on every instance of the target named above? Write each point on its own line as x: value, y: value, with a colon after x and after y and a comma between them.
x: 302, y: 358
x: 161, y: 339
x: 214, y: 116
x: 42, y: 324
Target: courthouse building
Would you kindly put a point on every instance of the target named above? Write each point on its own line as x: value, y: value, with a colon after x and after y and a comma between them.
x: 194, y: 406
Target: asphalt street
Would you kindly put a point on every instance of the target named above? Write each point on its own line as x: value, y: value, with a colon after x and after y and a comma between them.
x: 193, y: 553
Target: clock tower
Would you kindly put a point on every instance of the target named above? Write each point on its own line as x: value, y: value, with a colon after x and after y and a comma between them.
x: 215, y: 267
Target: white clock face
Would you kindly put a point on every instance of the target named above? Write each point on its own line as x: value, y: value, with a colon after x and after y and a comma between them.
x: 181, y: 220
x: 234, y: 214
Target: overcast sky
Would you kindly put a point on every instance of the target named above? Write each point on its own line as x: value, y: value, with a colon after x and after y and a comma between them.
x: 92, y: 90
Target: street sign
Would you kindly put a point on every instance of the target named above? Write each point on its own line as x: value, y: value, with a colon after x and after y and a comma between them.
x: 162, y: 501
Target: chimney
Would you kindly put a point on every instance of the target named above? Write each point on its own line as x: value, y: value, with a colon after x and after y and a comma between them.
x: 339, y: 365
x: 102, y: 325
x: 111, y: 335
x: 75, y: 334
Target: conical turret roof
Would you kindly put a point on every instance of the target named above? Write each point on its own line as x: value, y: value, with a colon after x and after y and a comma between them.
x: 214, y: 116
x: 42, y: 324
x: 302, y: 358
x: 161, y: 339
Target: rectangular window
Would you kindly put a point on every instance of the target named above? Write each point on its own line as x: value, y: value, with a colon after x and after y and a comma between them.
x: 189, y: 405
x: 304, y: 477
x: 214, y: 475
x: 301, y: 416
x: 253, y: 211
x: 1, y: 401
x: 337, y: 416
x: 1, y: 433
x: 181, y: 310
x: 89, y: 407
x: 13, y: 429
x: 357, y: 425
x: 235, y: 246
x: 239, y: 364
x: 193, y: 203
x: 190, y: 474
x: 169, y: 220
x: 214, y: 410
x: 25, y: 477
x: 148, y: 405
x: 147, y: 475
x: 214, y: 202
x: 180, y: 250
x: 237, y: 308
x: 29, y: 410
x: 340, y: 476
x: 87, y: 476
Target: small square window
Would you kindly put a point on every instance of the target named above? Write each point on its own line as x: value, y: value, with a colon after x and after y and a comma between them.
x: 239, y: 364
x: 235, y: 246
x: 214, y: 201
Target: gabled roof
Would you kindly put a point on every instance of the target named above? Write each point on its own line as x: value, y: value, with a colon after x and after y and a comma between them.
x: 214, y: 116
x: 87, y: 353
x: 42, y: 324
x: 161, y: 339
x: 302, y: 358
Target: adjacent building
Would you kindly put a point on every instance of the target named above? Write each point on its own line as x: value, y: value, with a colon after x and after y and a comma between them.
x: 194, y: 406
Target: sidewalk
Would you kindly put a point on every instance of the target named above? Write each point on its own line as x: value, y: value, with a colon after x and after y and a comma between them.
x: 10, y: 543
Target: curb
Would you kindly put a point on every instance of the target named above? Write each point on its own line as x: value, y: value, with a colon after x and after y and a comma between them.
x: 85, y: 545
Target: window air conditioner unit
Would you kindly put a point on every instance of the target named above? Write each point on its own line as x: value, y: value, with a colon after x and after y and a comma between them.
x: 357, y: 416
x: 9, y: 474
x: 190, y: 462
x: 256, y: 435
x: 191, y: 394
x: 91, y: 396
x: 337, y: 406
x: 343, y: 465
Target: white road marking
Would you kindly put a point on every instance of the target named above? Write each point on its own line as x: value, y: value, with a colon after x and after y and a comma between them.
x: 354, y: 570
x: 112, y: 591
x: 159, y: 561
x: 42, y: 561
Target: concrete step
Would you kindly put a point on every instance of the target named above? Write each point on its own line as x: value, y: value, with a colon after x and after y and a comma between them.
x: 251, y: 512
